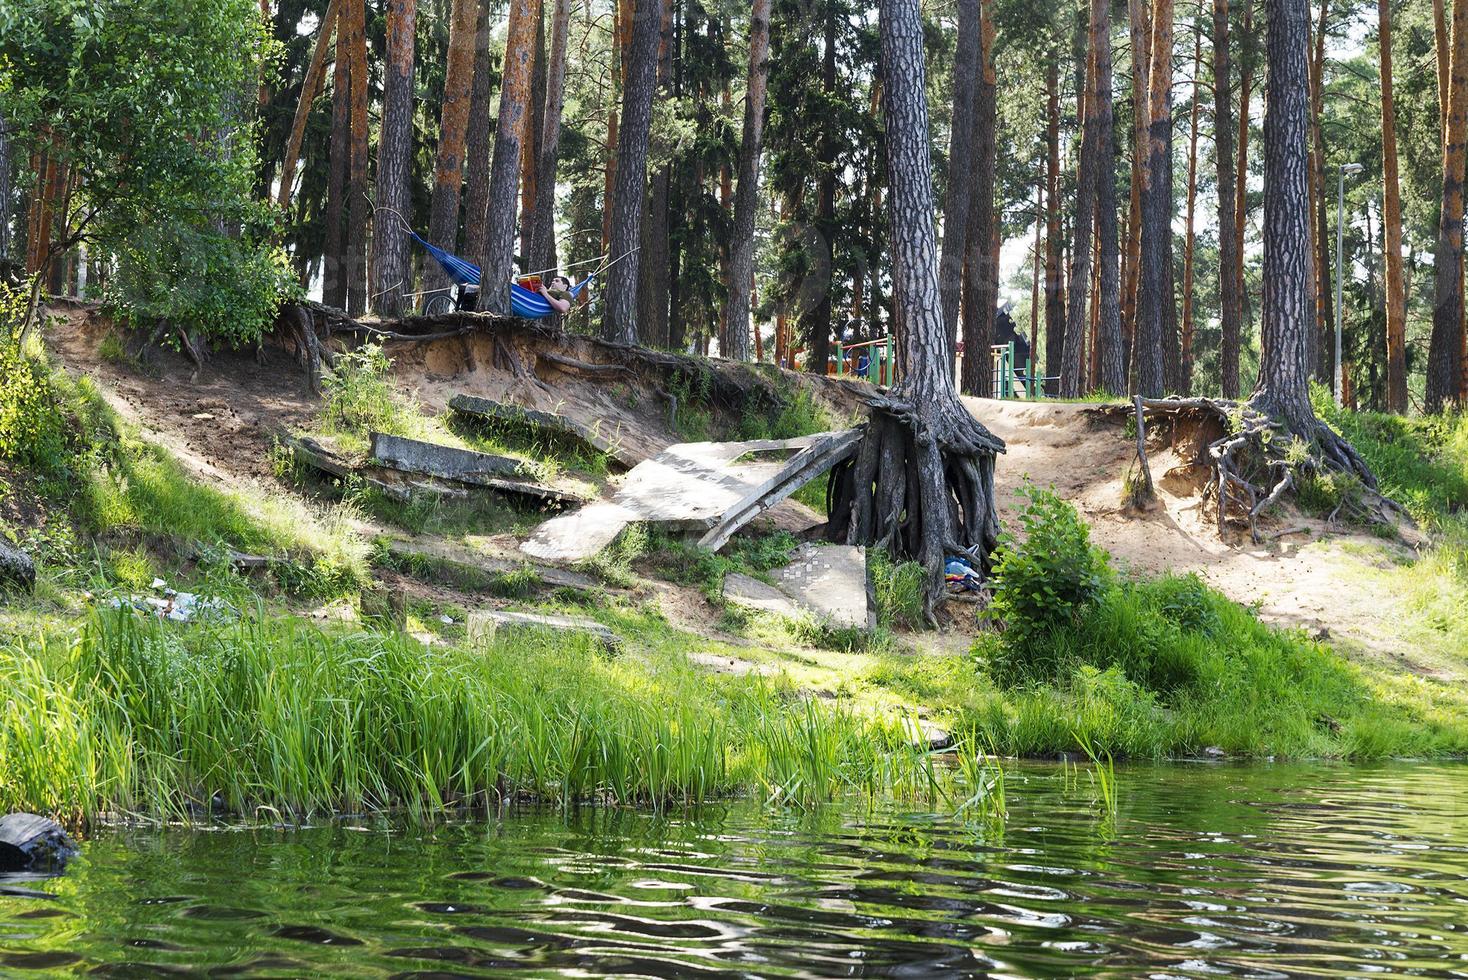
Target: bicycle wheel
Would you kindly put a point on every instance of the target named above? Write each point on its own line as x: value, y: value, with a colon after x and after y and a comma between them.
x: 438, y: 304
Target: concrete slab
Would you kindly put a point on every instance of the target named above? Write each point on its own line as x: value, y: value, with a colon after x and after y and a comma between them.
x: 826, y: 582
x: 709, y: 487
x: 447, y: 462
x: 486, y: 623
x: 594, y: 437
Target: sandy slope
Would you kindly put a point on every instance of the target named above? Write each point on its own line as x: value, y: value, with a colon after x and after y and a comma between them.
x: 220, y: 424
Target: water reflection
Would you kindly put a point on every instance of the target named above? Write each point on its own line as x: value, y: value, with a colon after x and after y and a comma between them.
x: 1206, y: 871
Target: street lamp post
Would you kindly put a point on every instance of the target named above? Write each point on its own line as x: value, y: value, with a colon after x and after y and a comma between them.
x: 1340, y: 248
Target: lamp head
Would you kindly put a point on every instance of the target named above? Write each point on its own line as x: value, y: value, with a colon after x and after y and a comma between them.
x: 1352, y: 168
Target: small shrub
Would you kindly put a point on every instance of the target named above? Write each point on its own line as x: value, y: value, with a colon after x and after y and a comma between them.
x: 1044, y: 581
x: 899, y: 591
x: 359, y: 392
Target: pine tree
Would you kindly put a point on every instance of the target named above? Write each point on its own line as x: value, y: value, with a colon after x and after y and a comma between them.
x: 746, y: 201
x: 391, y: 276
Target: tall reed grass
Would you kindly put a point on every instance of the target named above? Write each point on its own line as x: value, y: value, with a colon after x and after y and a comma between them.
x: 277, y: 718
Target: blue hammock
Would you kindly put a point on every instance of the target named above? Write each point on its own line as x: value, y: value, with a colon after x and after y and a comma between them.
x: 524, y: 303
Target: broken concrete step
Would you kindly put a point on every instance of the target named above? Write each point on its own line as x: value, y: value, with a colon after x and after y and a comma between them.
x: 827, y: 583
x: 559, y: 426
x: 713, y: 488
x: 446, y: 462
x: 484, y: 624
x: 473, y: 563
x: 395, y: 486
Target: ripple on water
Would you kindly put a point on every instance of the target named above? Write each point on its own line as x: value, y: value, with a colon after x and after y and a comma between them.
x: 1268, y: 872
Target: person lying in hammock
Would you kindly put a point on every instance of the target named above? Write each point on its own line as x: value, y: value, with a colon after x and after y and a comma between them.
x: 557, y: 294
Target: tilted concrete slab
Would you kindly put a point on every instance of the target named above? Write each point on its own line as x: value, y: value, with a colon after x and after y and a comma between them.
x: 448, y: 462
x: 827, y: 582
x: 603, y: 440
x: 484, y: 624
x: 709, y: 487
x: 499, y: 473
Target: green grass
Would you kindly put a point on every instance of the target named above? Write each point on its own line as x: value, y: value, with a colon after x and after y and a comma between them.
x: 270, y: 717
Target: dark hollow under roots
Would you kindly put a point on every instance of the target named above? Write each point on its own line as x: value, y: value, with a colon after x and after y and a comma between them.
x: 1260, y: 458
x: 921, y: 485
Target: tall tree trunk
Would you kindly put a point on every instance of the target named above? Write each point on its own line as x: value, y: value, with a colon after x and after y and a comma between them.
x: 1230, y: 301
x: 359, y: 206
x: 453, y: 125
x: 1283, y: 391
x: 391, y: 275
x: 1396, y: 296
x: 1241, y: 185
x: 923, y: 481
x: 1110, y: 351
x: 1186, y: 387
x: 637, y: 92
x: 1445, y: 352
x: 1443, y: 57
x: 1054, y: 293
x: 1141, y: 38
x: 746, y: 194
x: 1037, y: 261
x: 478, y: 147
x: 510, y: 132
x: 333, y: 278
x: 816, y: 322
x: 534, y: 133
x: 961, y: 167
x: 981, y: 263
x: 543, y: 220
x: 310, y: 89
x: 652, y: 290
x: 1320, y: 352
x: 1154, y: 296
x: 6, y: 173
x: 1072, y: 383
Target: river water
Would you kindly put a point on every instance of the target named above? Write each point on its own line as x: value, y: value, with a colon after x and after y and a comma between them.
x: 1205, y: 870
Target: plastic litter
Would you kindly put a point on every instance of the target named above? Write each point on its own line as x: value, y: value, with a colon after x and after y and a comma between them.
x: 959, y: 575
x: 177, y: 607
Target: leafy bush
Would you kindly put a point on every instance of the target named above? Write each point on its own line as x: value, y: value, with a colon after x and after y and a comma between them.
x: 33, y: 429
x: 1043, y: 581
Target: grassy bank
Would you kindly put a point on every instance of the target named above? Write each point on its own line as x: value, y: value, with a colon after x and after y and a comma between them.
x: 272, y: 716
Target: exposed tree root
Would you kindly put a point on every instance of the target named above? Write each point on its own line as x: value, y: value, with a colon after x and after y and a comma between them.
x: 921, y: 485
x: 1259, y: 459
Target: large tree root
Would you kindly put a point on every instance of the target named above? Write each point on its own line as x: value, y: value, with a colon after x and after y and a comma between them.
x: 921, y: 485
x: 1259, y: 459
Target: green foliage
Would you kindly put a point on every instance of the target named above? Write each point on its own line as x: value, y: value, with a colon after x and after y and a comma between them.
x: 187, y: 274
x: 687, y: 564
x: 360, y: 395
x: 1043, y: 581
x: 899, y: 588
x: 280, y: 719
x: 694, y: 418
x: 144, y: 102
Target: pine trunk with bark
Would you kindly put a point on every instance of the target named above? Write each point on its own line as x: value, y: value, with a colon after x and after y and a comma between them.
x: 1396, y: 296
x: 5, y: 189
x: 1321, y: 351
x: 333, y: 281
x: 1140, y: 24
x: 653, y: 289
x: 534, y: 133
x: 1241, y: 185
x: 746, y: 194
x: 638, y: 87
x: 1054, y: 287
x: 1187, y: 334
x: 391, y: 273
x: 1229, y: 287
x: 310, y: 89
x: 359, y: 206
x: 815, y: 323
x: 511, y: 131
x: 1110, y: 352
x: 453, y: 125
x: 1072, y: 381
x: 1153, y: 292
x: 922, y: 482
x: 543, y: 252
x: 478, y: 147
x: 957, y: 201
x: 981, y: 263
x: 1444, y: 357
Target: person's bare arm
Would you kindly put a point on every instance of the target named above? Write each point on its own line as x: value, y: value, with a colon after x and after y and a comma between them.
x: 556, y: 303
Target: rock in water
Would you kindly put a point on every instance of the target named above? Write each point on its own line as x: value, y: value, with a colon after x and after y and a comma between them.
x: 16, y: 569
x: 32, y: 843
